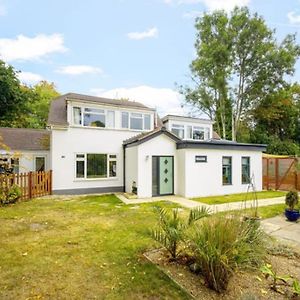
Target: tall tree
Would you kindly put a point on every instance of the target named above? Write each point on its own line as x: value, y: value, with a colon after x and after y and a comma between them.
x: 238, y: 64
x: 13, y: 99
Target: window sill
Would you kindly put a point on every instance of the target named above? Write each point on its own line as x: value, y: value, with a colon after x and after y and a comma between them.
x: 96, y: 179
x: 227, y: 184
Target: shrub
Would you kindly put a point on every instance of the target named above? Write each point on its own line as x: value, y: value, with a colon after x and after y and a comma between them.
x: 223, y: 244
x: 291, y: 199
x: 171, y: 228
x: 9, y: 194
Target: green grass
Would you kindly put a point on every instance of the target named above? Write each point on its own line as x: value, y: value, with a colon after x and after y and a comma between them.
x: 82, y: 248
x: 239, y: 197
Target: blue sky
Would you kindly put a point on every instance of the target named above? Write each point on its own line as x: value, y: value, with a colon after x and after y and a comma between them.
x: 118, y: 48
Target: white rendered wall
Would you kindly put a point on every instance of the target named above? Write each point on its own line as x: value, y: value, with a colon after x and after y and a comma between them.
x: 205, y: 179
x: 66, y: 143
x: 160, y: 145
x: 131, y: 167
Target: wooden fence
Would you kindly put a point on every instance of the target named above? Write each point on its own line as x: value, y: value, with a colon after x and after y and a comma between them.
x: 281, y: 173
x: 32, y: 184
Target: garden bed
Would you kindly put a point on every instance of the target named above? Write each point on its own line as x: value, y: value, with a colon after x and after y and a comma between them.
x: 242, y: 284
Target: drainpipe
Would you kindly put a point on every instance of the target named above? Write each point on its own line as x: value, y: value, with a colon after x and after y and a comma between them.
x: 124, y: 165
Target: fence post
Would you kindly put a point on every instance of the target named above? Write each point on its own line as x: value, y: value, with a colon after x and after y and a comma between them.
x: 296, y: 173
x: 50, y: 184
x: 276, y: 173
x: 30, y: 185
x: 268, y: 184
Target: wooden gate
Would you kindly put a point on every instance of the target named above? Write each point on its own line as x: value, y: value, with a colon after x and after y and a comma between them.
x: 281, y: 173
x: 32, y: 184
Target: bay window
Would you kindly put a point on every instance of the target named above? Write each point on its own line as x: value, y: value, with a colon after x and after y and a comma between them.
x: 95, y: 165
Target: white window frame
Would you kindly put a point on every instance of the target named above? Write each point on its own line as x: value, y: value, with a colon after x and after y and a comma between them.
x: 142, y: 118
x: 84, y: 159
x: 39, y: 156
x: 206, y: 132
x: 178, y: 127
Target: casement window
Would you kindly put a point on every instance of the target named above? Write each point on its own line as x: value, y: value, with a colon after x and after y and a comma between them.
x: 227, y: 170
x: 135, y: 121
x: 189, y: 132
x: 197, y: 133
x: 178, y: 130
x: 40, y: 163
x: 245, y: 170
x: 95, y: 165
x: 93, y: 117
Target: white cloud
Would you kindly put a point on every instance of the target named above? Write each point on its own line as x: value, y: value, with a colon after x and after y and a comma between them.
x: 192, y: 14
x: 211, y: 5
x: 293, y: 18
x: 29, y: 78
x: 26, y: 48
x: 150, y: 33
x: 165, y: 100
x: 79, y: 70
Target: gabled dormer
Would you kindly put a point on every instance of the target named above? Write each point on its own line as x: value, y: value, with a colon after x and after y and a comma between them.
x: 82, y: 111
x: 188, y: 128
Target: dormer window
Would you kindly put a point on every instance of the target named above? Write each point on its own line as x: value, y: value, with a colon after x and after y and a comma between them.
x: 77, y: 115
x: 198, y: 133
x: 136, y: 121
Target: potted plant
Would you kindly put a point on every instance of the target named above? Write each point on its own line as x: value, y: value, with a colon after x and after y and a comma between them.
x: 291, y: 200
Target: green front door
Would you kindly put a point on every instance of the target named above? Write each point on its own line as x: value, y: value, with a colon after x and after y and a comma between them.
x: 162, y: 175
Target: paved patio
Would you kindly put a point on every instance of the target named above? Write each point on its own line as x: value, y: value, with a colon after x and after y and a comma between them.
x: 283, y: 230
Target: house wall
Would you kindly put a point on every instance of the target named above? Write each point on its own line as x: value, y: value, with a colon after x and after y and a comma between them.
x: 131, y: 166
x: 27, y: 160
x: 205, y: 179
x: 66, y: 143
x: 160, y: 145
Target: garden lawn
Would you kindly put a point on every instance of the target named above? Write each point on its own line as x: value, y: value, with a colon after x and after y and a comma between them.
x: 239, y: 197
x: 82, y: 248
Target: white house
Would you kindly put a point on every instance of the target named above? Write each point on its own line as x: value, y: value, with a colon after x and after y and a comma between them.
x: 106, y: 145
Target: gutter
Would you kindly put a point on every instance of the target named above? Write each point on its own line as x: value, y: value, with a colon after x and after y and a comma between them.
x: 124, y: 165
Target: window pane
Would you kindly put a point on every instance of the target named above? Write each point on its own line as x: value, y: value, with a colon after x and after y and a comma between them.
x: 147, y: 122
x: 125, y: 119
x: 80, y: 169
x: 227, y: 170
x: 94, y: 120
x: 198, y: 133
x: 189, y: 132
x: 178, y: 132
x: 15, y: 165
x: 207, y: 134
x: 136, y: 121
x: 96, y: 165
x: 245, y: 170
x: 113, y: 168
x: 40, y: 164
x: 77, y: 115
x: 111, y: 119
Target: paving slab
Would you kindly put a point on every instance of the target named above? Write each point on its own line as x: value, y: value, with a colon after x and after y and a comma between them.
x: 283, y: 230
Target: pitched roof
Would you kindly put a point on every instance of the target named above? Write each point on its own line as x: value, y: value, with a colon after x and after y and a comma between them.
x: 58, y: 108
x: 145, y: 136
x: 25, y: 139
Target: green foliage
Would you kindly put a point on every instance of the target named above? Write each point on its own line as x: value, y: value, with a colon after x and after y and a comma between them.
x: 239, y: 65
x: 171, y: 228
x: 221, y: 245
x: 296, y: 287
x: 269, y: 272
x: 292, y: 199
x: 9, y: 194
x: 287, y: 147
x: 21, y: 105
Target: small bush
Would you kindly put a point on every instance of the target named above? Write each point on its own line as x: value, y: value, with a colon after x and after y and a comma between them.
x: 291, y: 199
x: 223, y: 244
x: 171, y: 228
x: 8, y: 194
